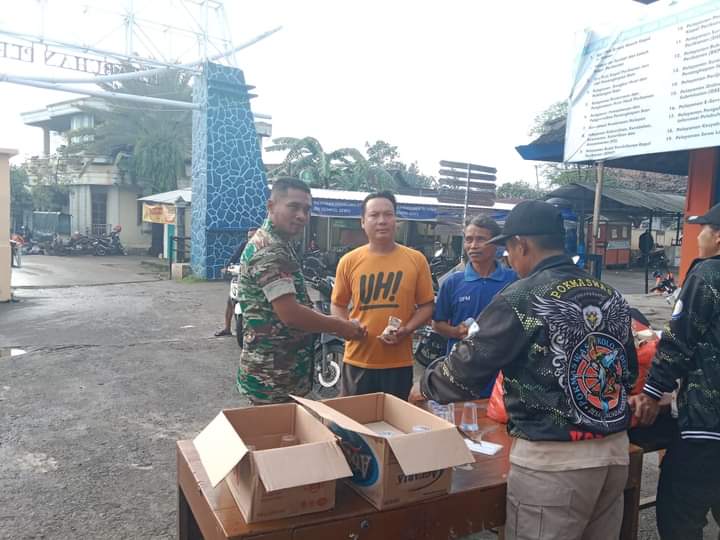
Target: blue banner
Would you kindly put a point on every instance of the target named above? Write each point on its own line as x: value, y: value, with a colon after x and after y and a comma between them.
x: 352, y: 209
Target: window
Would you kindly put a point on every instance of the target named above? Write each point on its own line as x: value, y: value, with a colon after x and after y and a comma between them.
x: 81, y: 121
x: 98, y: 198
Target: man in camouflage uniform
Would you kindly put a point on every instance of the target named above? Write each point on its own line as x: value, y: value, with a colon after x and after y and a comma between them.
x: 278, y: 320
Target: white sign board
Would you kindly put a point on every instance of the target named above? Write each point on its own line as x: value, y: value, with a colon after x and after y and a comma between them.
x: 648, y: 89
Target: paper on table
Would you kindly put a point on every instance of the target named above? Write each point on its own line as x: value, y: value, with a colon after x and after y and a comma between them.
x: 483, y: 447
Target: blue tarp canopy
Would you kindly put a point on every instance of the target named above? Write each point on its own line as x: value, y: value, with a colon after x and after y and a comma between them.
x: 550, y: 147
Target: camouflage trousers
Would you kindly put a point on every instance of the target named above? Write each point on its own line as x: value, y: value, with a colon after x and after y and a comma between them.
x: 266, y: 379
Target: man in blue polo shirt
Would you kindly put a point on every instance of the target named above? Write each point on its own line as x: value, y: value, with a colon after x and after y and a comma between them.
x: 466, y: 293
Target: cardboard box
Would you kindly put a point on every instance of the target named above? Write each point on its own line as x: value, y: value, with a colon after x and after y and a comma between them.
x: 272, y: 482
x: 392, y: 469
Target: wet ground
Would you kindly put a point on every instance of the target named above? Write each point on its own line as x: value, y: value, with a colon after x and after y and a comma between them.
x: 118, y: 365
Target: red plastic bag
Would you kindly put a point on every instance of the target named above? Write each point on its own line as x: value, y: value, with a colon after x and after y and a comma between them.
x: 496, y: 404
x: 646, y: 341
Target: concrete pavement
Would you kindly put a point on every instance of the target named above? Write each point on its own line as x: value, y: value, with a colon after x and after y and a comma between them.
x: 45, y: 271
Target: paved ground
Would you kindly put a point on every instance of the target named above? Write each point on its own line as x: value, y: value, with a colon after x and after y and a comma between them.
x: 112, y: 377
x: 42, y: 271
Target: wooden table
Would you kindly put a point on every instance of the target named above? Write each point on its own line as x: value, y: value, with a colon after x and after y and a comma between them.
x: 476, y: 502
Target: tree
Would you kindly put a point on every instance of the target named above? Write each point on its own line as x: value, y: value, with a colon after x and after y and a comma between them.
x: 543, y: 122
x: 548, y: 123
x: 20, y: 195
x: 149, y: 143
x: 385, y: 155
x: 50, y: 197
x: 518, y: 190
x: 345, y: 168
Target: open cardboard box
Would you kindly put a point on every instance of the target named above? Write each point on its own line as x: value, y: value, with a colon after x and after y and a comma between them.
x: 400, y: 469
x: 272, y: 482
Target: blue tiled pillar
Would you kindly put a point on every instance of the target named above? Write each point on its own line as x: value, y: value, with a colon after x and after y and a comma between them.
x: 229, y: 188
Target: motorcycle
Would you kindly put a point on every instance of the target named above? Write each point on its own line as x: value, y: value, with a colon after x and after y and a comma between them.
x: 234, y: 271
x: 79, y: 244
x: 664, y: 283
x: 329, y: 349
x: 109, y: 244
x: 439, y: 266
x: 655, y: 259
x: 429, y: 345
x: 314, y: 267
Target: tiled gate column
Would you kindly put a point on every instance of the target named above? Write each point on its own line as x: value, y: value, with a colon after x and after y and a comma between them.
x: 229, y: 187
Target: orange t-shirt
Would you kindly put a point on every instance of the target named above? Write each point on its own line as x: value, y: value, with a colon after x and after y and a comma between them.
x: 380, y: 286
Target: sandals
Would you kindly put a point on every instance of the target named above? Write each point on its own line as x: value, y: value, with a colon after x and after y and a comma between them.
x: 223, y: 332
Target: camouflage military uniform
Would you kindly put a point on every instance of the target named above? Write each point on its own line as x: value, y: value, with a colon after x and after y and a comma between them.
x: 276, y: 360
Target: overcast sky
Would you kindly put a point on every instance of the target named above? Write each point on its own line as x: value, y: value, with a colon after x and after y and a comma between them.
x: 455, y: 80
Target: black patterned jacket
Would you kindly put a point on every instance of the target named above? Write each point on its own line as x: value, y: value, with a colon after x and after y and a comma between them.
x: 564, y: 344
x: 689, y: 351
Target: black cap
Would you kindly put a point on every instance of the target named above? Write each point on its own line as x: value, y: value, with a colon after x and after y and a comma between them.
x: 711, y: 217
x: 531, y: 218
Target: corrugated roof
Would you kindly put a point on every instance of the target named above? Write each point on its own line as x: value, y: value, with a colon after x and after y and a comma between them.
x: 644, y: 200
x: 169, y: 197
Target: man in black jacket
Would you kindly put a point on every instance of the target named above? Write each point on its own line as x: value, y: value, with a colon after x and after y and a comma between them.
x: 689, y: 352
x: 563, y: 342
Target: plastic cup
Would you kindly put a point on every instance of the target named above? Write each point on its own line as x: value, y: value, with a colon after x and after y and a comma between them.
x: 469, y: 421
x: 446, y: 412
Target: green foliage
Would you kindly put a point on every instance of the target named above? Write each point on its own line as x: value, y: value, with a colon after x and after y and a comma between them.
x: 560, y: 174
x: 544, y: 120
x: 150, y: 143
x: 50, y: 197
x: 385, y: 155
x: 24, y: 197
x: 346, y: 168
x: 518, y: 190
x: 20, y: 195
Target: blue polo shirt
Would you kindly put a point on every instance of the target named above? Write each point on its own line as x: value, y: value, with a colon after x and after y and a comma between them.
x: 465, y: 294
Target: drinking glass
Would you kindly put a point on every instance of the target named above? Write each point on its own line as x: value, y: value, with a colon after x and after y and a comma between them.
x: 469, y: 421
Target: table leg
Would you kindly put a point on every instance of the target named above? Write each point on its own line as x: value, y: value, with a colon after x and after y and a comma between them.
x: 187, y: 526
x: 631, y: 498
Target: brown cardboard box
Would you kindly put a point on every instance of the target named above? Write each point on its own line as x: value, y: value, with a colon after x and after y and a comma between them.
x: 399, y: 469
x: 272, y: 482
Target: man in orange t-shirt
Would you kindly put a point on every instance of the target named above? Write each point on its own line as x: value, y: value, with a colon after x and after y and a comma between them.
x: 381, y: 280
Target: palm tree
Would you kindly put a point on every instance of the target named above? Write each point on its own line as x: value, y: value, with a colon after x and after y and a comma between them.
x: 150, y: 143
x: 343, y: 168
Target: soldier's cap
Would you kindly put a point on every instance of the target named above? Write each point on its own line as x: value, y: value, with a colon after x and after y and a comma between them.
x: 531, y: 218
x: 711, y: 217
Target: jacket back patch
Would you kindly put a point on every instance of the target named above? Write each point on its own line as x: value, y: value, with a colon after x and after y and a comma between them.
x: 587, y: 330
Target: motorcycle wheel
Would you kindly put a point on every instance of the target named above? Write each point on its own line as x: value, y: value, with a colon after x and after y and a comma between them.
x: 100, y: 251
x: 327, y: 383
x: 239, y: 330
x: 422, y: 355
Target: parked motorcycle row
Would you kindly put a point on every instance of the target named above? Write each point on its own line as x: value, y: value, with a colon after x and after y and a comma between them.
x: 82, y: 244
